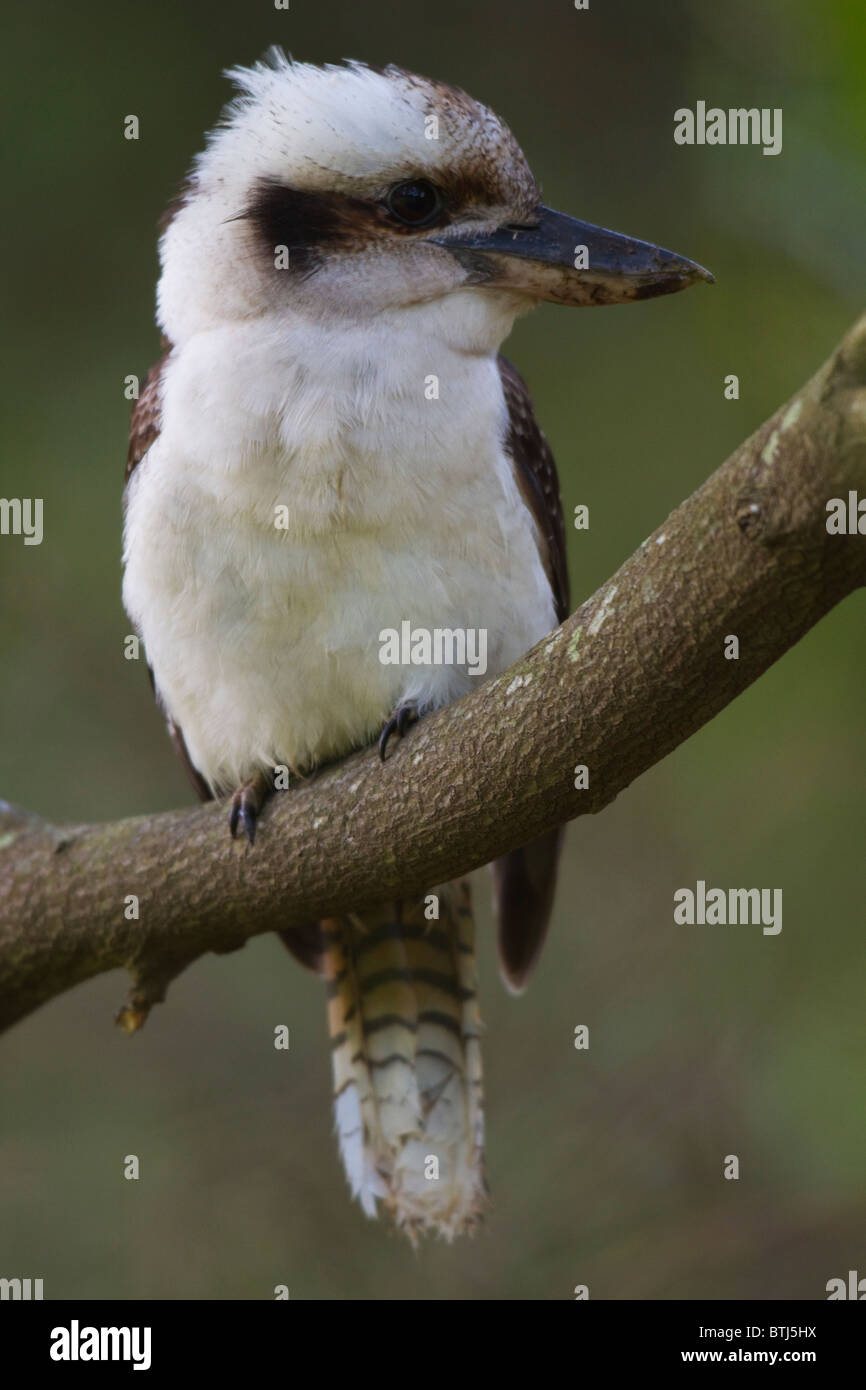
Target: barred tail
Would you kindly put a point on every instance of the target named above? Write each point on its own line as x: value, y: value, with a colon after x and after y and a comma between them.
x: 405, y: 1033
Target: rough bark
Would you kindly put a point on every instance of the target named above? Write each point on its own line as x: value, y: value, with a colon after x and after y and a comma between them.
x: 637, y: 669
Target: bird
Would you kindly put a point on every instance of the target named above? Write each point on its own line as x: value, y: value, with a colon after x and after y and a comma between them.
x: 332, y: 445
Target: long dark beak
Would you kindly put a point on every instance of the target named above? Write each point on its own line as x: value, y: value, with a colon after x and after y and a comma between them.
x: 559, y: 258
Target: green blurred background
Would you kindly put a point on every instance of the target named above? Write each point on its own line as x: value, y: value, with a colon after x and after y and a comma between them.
x: 606, y: 1165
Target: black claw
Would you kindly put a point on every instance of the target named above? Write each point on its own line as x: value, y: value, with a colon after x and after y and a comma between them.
x: 386, y: 733
x: 246, y: 804
x: 399, y: 722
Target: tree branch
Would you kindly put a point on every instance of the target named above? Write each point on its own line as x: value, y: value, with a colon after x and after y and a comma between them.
x: 630, y: 676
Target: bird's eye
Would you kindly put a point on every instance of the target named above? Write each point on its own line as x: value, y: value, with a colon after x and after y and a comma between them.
x: 414, y: 203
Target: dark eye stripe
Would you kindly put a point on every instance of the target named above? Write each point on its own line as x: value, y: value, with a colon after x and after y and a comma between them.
x: 309, y: 224
x: 304, y: 222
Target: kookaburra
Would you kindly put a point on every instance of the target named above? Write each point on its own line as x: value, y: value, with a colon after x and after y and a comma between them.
x: 295, y: 489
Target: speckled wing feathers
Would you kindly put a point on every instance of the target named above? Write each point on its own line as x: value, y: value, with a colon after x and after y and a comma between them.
x: 524, y: 881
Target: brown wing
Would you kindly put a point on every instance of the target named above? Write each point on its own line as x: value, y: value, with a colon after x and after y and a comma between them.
x: 535, y: 471
x: 524, y: 880
x: 146, y: 417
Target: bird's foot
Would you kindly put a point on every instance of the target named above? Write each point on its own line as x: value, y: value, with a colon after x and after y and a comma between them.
x: 247, y: 802
x: 401, y: 718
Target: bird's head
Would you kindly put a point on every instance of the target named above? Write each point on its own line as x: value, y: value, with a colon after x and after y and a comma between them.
x: 350, y: 191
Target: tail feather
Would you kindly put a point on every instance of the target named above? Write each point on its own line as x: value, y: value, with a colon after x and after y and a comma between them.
x: 405, y: 1034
